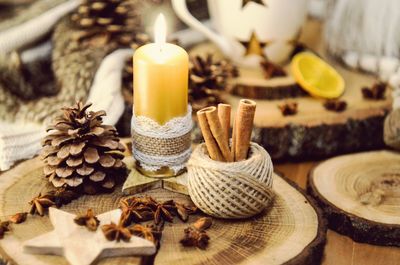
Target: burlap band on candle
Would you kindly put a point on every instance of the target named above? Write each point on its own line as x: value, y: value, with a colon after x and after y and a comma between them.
x: 161, y: 146
x: 156, y: 146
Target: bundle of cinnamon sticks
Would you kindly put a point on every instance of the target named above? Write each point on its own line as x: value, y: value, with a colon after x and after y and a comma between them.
x: 215, y: 126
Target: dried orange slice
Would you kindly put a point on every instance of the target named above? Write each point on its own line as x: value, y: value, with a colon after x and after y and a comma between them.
x: 316, y: 76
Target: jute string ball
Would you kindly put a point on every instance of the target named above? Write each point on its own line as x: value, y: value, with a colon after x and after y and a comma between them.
x: 392, y: 129
x: 231, y: 190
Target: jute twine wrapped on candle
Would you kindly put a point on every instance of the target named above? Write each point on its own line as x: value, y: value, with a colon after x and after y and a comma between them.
x: 231, y: 190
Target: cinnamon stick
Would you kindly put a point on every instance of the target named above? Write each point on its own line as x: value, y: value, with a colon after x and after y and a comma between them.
x: 216, y: 130
x: 224, y: 114
x: 243, y: 128
x: 233, y: 146
x: 211, y: 144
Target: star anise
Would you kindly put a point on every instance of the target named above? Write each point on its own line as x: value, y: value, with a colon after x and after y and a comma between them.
x: 288, y: 108
x: 195, y: 238
x: 335, y: 105
x: 89, y: 220
x: 4, y: 227
x: 271, y: 70
x: 40, y: 203
x: 134, y: 211
x: 63, y: 196
x: 140, y: 209
x: 18, y: 218
x: 116, y: 232
x: 376, y: 92
x: 146, y: 201
x: 183, y: 211
x: 164, y: 211
x: 195, y: 235
x: 150, y: 232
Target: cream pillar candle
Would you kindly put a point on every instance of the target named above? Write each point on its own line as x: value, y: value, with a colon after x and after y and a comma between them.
x: 160, y: 78
x: 161, y: 93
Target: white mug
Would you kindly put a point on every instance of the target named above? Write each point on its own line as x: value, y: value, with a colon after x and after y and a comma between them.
x: 249, y: 30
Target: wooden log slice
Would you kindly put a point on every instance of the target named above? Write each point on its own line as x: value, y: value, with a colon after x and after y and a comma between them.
x: 360, y: 194
x: 251, y: 82
x: 291, y: 232
x: 315, y: 131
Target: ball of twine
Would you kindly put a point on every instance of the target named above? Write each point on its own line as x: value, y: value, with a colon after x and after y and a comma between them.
x: 231, y: 190
x: 391, y: 132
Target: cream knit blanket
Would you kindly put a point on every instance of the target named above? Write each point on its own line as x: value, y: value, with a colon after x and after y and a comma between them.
x: 21, y: 140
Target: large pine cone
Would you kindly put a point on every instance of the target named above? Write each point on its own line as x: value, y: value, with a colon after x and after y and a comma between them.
x: 81, y: 153
x: 119, y: 20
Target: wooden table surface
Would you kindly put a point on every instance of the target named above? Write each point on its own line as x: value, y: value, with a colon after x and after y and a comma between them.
x: 341, y: 250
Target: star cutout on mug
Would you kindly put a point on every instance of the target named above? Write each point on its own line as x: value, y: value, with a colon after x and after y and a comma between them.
x: 245, y: 2
x: 254, y: 46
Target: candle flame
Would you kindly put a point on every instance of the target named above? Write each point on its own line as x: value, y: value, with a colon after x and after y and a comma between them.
x: 160, y: 30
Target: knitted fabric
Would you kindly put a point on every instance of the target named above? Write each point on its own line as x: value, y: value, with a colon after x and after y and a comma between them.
x: 32, y: 30
x: 27, y: 27
x: 364, y: 26
x: 21, y: 140
x: 364, y: 34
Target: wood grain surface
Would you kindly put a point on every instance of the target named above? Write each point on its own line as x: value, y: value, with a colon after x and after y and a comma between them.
x: 341, y: 250
x: 360, y: 195
x: 291, y: 232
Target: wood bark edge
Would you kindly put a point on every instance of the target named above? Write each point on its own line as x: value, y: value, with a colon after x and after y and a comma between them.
x: 314, y: 251
x: 289, y: 91
x: 357, y: 228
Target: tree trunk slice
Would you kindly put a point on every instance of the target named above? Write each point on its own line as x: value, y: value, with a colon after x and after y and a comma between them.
x: 291, y: 232
x: 252, y: 84
x: 360, y: 194
x: 315, y: 131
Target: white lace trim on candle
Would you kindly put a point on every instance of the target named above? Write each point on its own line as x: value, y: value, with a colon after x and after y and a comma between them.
x: 154, y: 163
x: 173, y: 128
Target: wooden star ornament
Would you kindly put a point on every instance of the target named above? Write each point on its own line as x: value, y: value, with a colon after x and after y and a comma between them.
x: 81, y: 246
x: 254, y: 46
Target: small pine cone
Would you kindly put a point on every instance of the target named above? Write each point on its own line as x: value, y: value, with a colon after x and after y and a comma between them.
x: 208, y: 78
x: 82, y: 153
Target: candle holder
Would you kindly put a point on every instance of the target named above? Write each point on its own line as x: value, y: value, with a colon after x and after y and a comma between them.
x: 161, y: 151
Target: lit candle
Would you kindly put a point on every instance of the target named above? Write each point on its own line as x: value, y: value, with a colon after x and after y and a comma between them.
x: 160, y: 78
